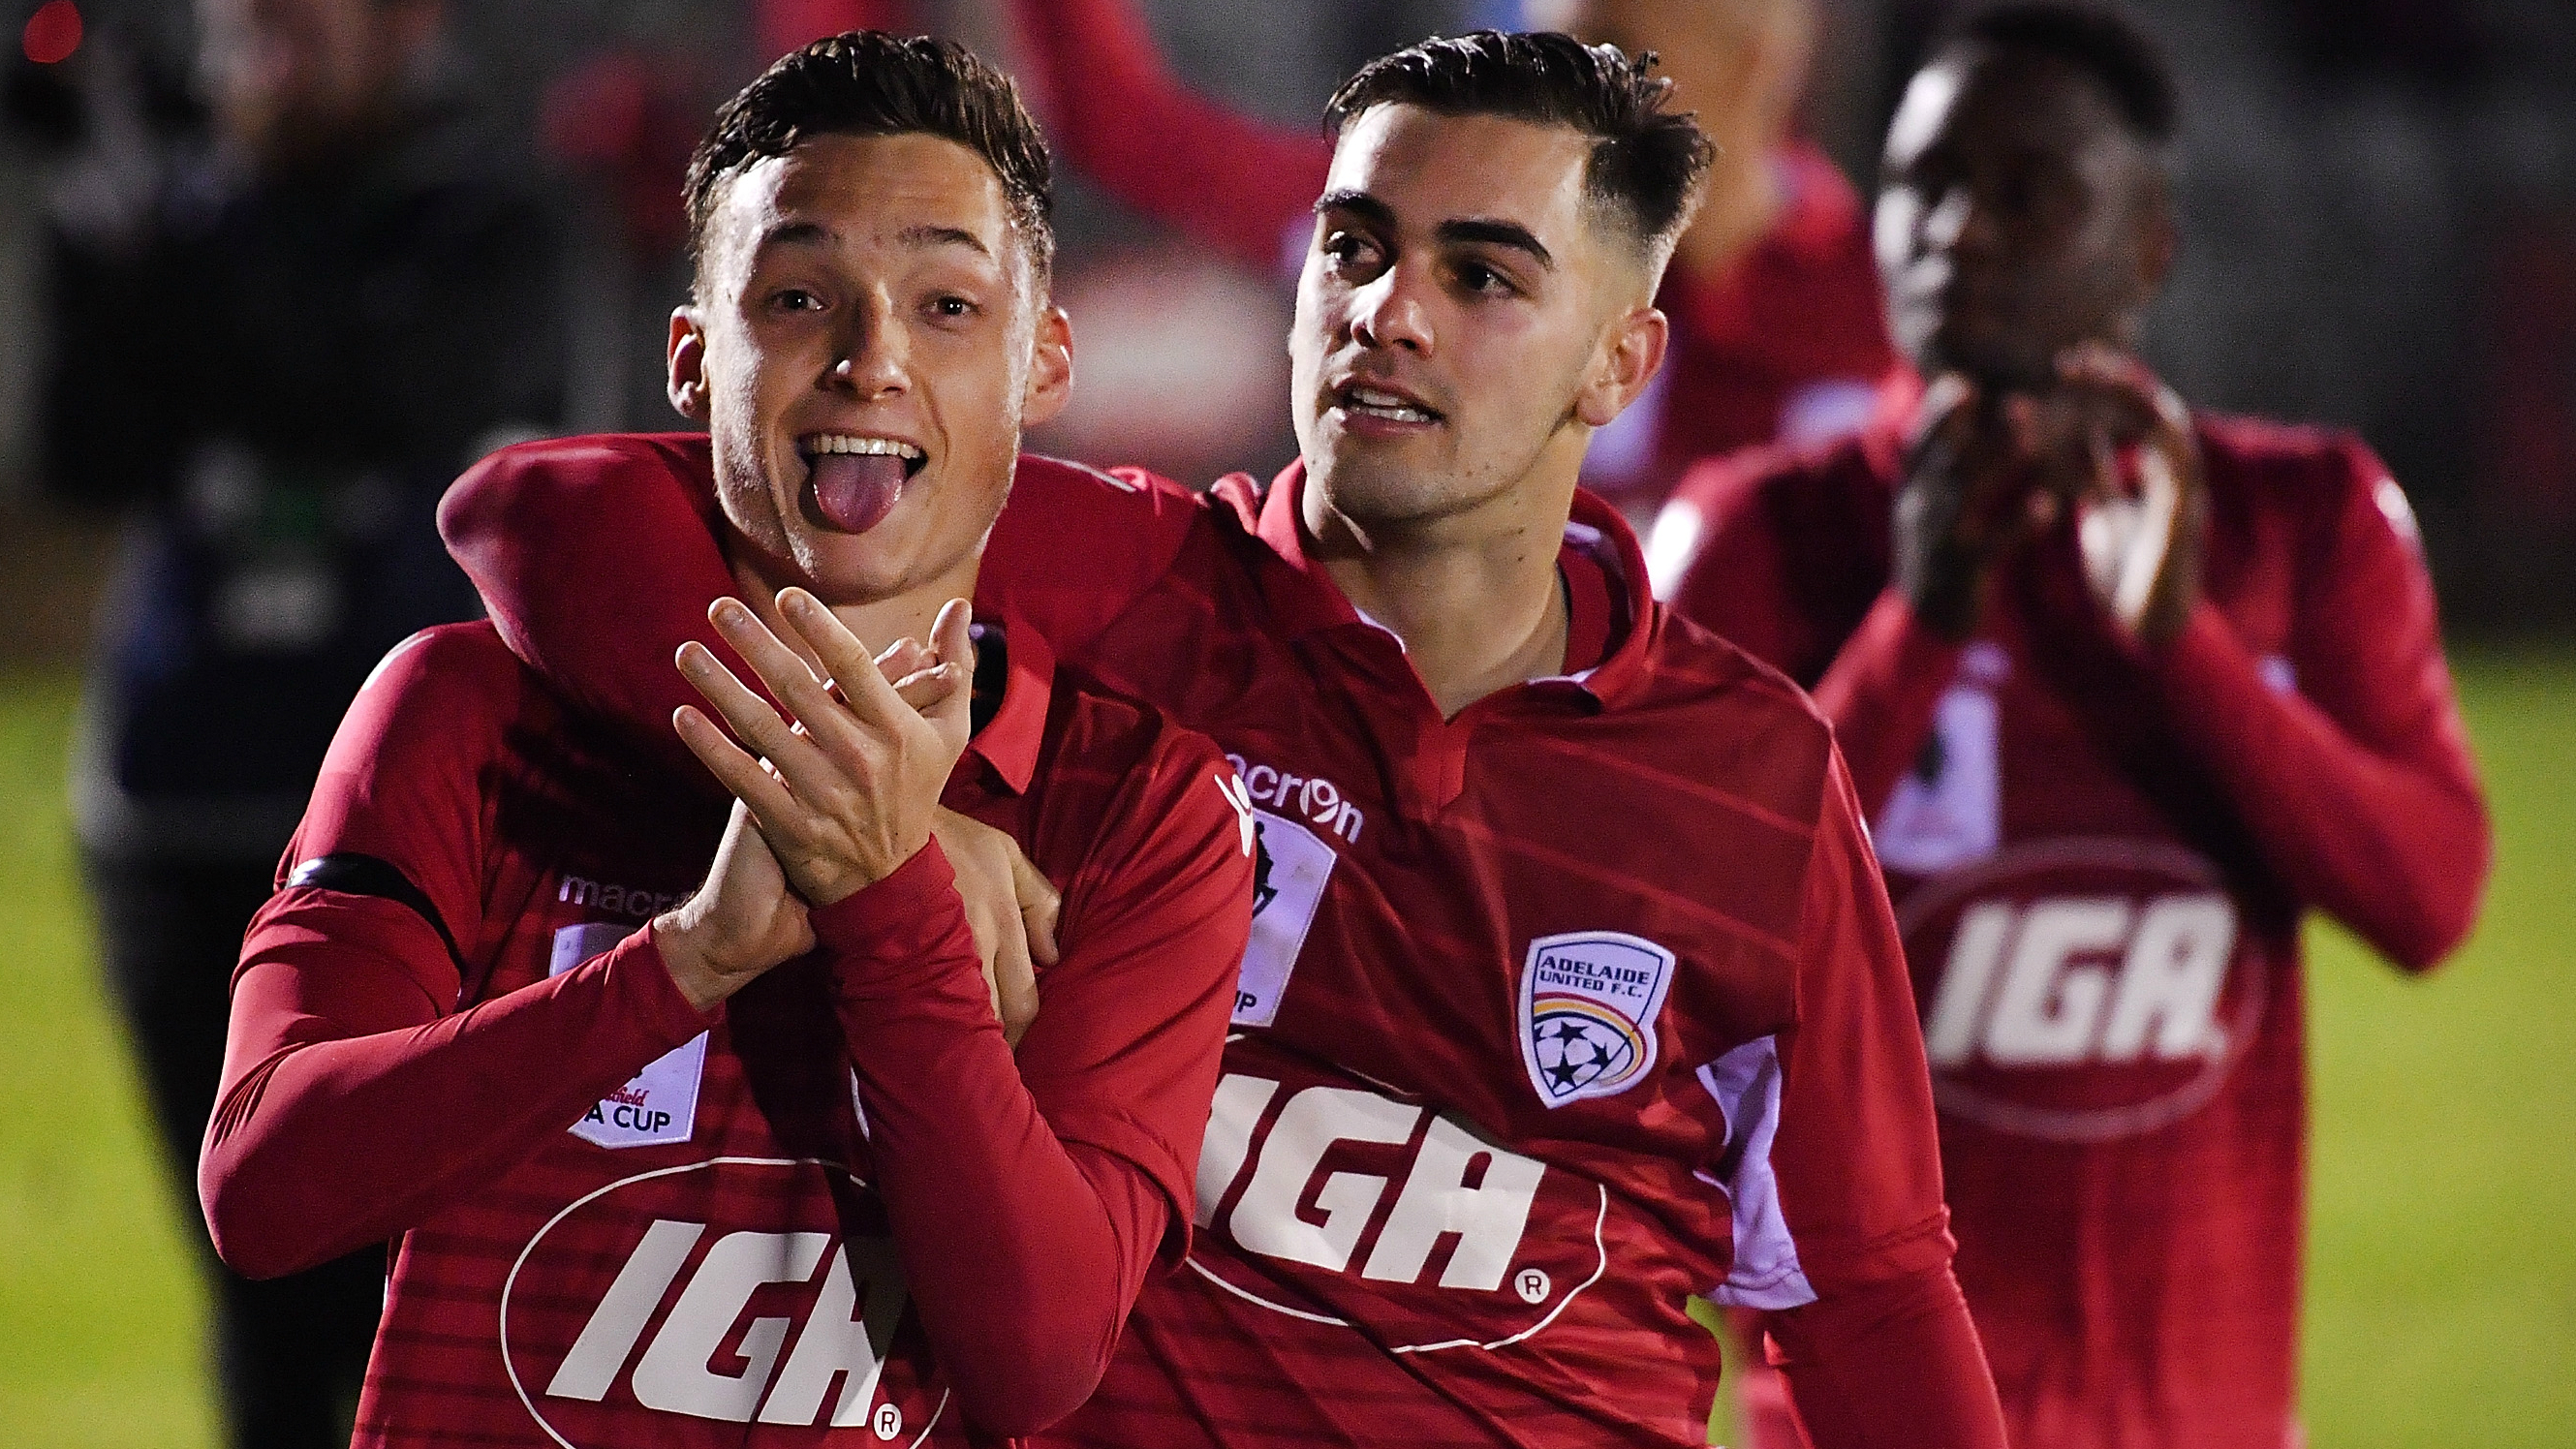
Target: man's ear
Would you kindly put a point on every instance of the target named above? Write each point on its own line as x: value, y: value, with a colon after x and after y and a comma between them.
x: 1630, y: 354
x: 685, y: 379
x: 1050, y: 384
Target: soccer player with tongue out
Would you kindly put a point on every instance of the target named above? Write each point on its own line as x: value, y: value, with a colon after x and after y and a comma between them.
x: 677, y: 1083
x: 1570, y: 992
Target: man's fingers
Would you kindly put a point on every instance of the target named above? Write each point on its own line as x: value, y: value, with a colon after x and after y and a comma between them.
x: 764, y: 794
x: 1040, y: 906
x: 952, y: 637
x: 792, y: 681
x: 750, y: 716
x: 926, y: 689
x: 1015, y: 986
x: 870, y: 699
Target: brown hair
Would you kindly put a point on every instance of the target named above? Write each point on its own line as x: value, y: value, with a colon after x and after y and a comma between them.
x: 1647, y: 163
x: 869, y: 83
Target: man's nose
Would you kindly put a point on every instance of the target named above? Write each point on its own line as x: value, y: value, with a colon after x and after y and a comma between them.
x: 1959, y: 222
x: 1389, y: 313
x: 872, y: 356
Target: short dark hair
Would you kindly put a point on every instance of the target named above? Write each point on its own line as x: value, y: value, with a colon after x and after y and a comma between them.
x: 1647, y: 163
x: 2101, y: 42
x: 869, y: 83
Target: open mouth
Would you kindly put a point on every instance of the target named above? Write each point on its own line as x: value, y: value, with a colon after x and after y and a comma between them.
x: 1363, y: 400
x: 855, y: 479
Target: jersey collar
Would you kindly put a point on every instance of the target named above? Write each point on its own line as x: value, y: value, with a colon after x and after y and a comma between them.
x: 1009, y: 742
x: 1614, y: 617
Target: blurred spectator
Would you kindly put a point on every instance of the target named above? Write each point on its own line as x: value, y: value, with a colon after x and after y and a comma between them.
x: 272, y: 350
x: 1777, y: 329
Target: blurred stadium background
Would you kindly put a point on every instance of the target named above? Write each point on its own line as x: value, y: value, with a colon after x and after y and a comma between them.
x: 2379, y: 207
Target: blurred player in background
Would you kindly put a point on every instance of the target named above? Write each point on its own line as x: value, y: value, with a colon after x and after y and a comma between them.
x: 2129, y: 688
x: 1571, y: 991
x: 1776, y: 325
x: 506, y: 1012
x: 269, y: 352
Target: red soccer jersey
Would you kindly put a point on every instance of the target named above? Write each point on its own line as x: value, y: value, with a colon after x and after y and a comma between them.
x: 1553, y: 1014
x: 839, y: 1209
x: 2099, y: 856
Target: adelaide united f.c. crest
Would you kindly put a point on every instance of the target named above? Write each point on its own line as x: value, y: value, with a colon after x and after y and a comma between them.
x: 1589, y: 1000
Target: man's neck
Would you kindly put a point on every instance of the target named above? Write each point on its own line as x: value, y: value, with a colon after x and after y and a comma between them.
x: 876, y: 622
x: 1475, y: 596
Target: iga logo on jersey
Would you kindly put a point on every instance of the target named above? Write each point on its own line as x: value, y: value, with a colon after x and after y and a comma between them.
x: 1589, y: 1001
x: 2079, y: 990
x: 762, y: 1330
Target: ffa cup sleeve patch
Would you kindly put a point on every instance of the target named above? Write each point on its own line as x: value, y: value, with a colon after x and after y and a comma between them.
x: 1589, y: 1000
x: 660, y: 1105
x: 1289, y: 868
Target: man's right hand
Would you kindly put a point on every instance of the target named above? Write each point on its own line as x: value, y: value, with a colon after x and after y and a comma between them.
x: 1968, y: 498
x: 743, y: 921
x: 1011, y: 908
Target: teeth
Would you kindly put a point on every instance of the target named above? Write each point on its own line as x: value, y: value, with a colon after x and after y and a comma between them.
x: 851, y: 443
x: 1380, y: 405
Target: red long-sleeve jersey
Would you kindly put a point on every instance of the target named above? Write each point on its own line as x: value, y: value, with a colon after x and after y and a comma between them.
x: 1552, y: 1014
x: 836, y: 1209
x: 1787, y: 343
x: 2100, y: 854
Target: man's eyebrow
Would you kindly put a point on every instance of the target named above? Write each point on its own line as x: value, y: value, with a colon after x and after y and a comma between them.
x: 1465, y: 229
x: 814, y: 233
x: 942, y: 236
x: 1357, y: 202
x: 1498, y: 233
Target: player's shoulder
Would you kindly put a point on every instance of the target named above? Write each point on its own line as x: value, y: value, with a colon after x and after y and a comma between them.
x: 1821, y: 488
x: 451, y: 692
x: 549, y: 482
x: 1075, y: 544
x: 1718, y: 714
x: 2322, y: 477
x: 1098, y: 732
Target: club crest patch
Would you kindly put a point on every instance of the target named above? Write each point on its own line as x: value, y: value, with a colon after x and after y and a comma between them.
x: 660, y: 1104
x: 1589, y: 1000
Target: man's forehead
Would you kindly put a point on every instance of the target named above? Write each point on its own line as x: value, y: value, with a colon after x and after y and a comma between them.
x: 1427, y: 168
x: 2025, y: 99
x: 908, y: 189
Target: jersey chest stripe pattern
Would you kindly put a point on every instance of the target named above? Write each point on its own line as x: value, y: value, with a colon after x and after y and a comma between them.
x: 1676, y: 784
x: 1618, y: 881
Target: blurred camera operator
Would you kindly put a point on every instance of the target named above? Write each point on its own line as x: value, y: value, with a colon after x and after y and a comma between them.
x: 271, y: 348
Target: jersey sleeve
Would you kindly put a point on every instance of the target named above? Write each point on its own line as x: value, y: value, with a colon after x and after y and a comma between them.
x: 2352, y: 770
x: 345, y: 1011
x: 1029, y: 1196
x: 1850, y: 1262
x: 596, y: 559
x: 1121, y: 117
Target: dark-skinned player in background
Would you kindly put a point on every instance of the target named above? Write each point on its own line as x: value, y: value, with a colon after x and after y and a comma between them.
x: 2129, y: 689
x: 698, y: 1126
x: 1573, y: 991
x: 1776, y: 327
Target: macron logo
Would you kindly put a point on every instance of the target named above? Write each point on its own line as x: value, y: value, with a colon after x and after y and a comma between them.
x: 618, y: 900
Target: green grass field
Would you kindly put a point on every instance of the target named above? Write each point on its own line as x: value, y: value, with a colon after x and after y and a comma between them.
x: 2442, y: 1267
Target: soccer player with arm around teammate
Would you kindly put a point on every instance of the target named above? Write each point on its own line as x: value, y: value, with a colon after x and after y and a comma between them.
x: 2130, y: 688
x: 693, y: 1121
x: 1571, y: 991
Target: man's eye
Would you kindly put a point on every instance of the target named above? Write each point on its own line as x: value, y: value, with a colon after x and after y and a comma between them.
x: 1349, y: 250
x: 795, y: 299
x: 953, y: 307
x: 1484, y: 280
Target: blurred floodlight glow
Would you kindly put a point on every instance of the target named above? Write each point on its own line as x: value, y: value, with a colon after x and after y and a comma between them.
x: 52, y: 33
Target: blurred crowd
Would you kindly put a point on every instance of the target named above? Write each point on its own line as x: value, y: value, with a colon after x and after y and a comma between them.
x: 294, y: 263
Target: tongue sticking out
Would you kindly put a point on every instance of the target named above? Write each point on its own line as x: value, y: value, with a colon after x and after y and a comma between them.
x: 855, y: 491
